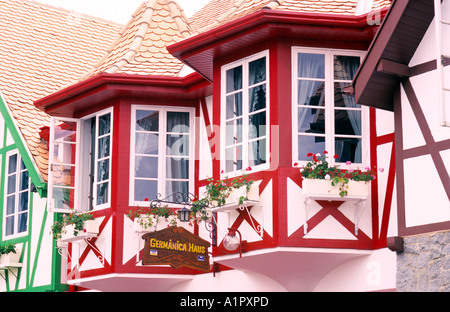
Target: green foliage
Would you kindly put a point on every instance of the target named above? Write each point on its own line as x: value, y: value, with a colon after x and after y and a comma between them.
x: 8, y: 248
x: 149, y: 216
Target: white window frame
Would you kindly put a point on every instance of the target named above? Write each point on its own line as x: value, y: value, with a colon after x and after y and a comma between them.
x: 245, y: 114
x: 162, y: 135
x: 17, y: 197
x: 78, y: 164
x: 329, y: 107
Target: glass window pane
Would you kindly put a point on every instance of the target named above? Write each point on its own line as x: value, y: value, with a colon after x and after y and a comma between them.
x: 233, y: 158
x: 12, y: 165
x: 311, y: 93
x: 23, y: 201
x: 177, y: 145
x: 257, y: 125
x: 11, y: 184
x: 145, y: 189
x: 9, y: 226
x: 10, y: 204
x: 103, y: 170
x: 341, y: 99
x: 177, y: 168
x: 104, y: 124
x: 257, y: 98
x: 102, y: 193
x: 103, y: 147
x: 178, y: 122
x: 345, y: 66
x: 23, y: 222
x: 311, y: 120
x: 311, y: 65
x: 23, y: 181
x: 61, y: 197
x: 234, y: 105
x: 147, y: 143
x: 310, y: 144
x: 176, y: 186
x: 348, y: 149
x: 146, y: 167
x: 147, y: 120
x: 257, y: 152
x: 257, y: 71
x: 63, y: 175
x: 234, y: 79
x: 347, y: 122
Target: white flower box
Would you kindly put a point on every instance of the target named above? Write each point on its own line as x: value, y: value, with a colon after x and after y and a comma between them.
x: 10, y: 259
x: 90, y: 229
x: 235, y: 195
x: 323, y: 188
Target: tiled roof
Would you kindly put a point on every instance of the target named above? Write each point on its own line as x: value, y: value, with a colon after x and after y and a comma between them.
x: 141, y: 49
x: 42, y: 49
x: 219, y: 12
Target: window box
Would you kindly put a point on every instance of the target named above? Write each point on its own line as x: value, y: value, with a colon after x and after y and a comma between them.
x: 10, y: 260
x: 232, y: 202
x: 319, y: 188
x: 90, y: 229
x: 149, y: 223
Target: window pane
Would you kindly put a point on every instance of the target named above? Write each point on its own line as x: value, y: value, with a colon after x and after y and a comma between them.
x: 257, y: 152
x: 177, y: 168
x: 233, y: 159
x: 311, y: 120
x: 147, y: 120
x: 347, y: 122
x: 11, y: 184
x: 234, y: 79
x: 103, y: 170
x: 257, y: 71
x: 348, y: 149
x: 102, y: 193
x: 310, y: 144
x: 62, y: 198
x: 176, y: 186
x: 146, y: 167
x: 9, y: 226
x: 145, y: 189
x: 341, y: 99
x: 311, y: 65
x: 23, y: 201
x: 10, y: 204
x: 345, y: 67
x: 311, y: 93
x: 103, y: 147
x: 147, y: 143
x: 257, y: 125
x: 104, y: 124
x: 63, y: 175
x: 233, y: 132
x: 23, y: 181
x: 177, y: 145
x: 178, y: 122
x: 12, y: 165
x: 23, y: 222
x: 257, y: 98
x: 234, y: 105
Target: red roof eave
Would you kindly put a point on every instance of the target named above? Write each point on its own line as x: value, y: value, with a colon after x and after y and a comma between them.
x: 248, y: 26
x: 104, y: 86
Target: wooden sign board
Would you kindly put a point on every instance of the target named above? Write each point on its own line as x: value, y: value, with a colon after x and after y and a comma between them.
x: 176, y: 247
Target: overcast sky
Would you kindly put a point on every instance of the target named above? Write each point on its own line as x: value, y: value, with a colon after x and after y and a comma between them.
x: 116, y: 10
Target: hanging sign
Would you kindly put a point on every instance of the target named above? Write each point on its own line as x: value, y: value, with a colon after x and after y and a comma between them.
x: 176, y: 247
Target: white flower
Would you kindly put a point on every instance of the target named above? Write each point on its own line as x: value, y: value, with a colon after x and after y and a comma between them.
x: 327, y: 177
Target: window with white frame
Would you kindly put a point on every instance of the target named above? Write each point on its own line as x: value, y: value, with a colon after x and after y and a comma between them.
x: 162, y: 157
x: 324, y: 116
x: 80, y: 162
x: 17, y: 188
x: 245, y: 114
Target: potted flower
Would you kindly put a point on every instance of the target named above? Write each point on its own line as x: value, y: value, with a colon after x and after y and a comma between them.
x: 147, y: 219
x: 8, y: 254
x: 71, y: 225
x: 322, y: 179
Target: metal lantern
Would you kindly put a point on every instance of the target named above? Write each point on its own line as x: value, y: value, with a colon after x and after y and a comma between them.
x: 183, y: 214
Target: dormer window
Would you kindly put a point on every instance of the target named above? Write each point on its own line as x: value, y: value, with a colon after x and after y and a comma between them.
x: 245, y: 114
x: 162, y: 158
x: 324, y: 117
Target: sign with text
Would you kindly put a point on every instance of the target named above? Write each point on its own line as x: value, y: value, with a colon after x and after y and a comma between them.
x: 176, y: 247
